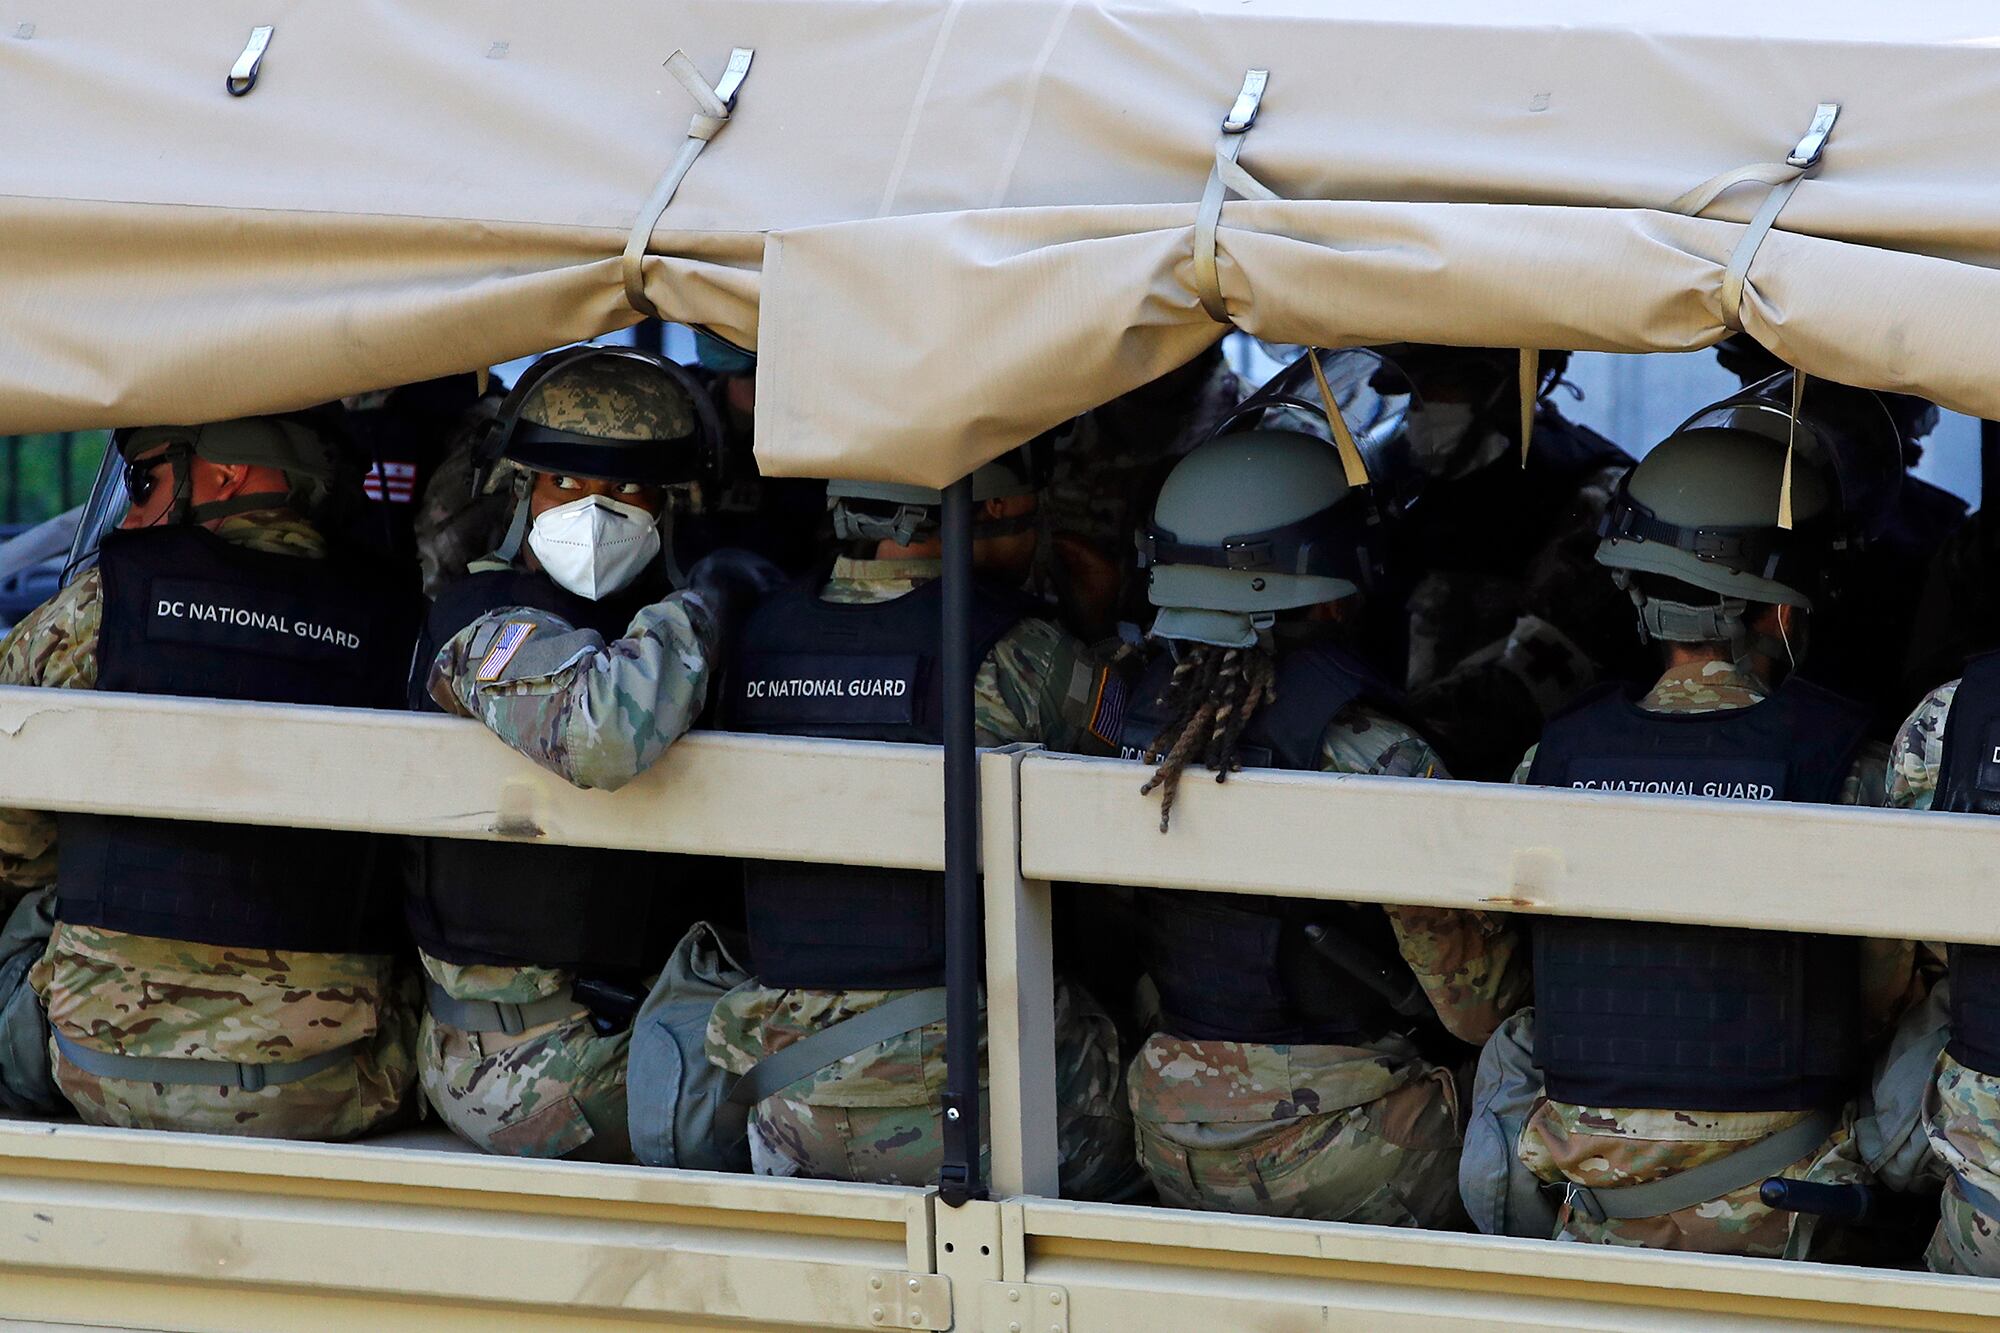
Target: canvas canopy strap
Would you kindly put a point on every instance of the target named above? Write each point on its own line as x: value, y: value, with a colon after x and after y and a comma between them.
x: 713, y: 109
x: 1783, y: 179
x: 1226, y: 176
x: 1531, y: 388
x: 1351, y: 462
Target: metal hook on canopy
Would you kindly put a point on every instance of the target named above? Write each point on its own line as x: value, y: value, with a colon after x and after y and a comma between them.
x: 243, y: 74
x: 713, y: 108
x: 1224, y: 176
x: 1783, y: 179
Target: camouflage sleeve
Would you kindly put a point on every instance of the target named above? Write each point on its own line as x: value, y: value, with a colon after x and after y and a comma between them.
x: 1361, y: 740
x: 1473, y: 965
x: 1040, y: 685
x: 1526, y: 766
x: 596, y: 714
x: 1915, y: 755
x: 54, y: 646
x: 1864, y: 783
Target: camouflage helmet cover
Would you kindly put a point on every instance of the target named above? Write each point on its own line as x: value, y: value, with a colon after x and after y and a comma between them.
x: 609, y: 413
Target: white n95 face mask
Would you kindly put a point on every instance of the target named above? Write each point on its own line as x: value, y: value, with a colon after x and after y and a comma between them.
x: 596, y: 545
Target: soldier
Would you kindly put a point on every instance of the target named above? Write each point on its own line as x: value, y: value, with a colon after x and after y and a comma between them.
x: 1683, y: 1065
x: 1109, y: 463
x: 1286, y: 1081
x: 457, y: 521
x: 1497, y: 616
x: 402, y: 435
x: 1943, y: 759
x: 849, y: 962
x: 216, y: 977
x: 781, y: 518
x: 570, y: 644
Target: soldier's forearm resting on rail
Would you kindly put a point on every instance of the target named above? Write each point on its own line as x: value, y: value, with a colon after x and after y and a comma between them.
x: 596, y: 714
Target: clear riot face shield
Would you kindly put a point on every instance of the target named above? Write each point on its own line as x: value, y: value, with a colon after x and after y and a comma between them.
x: 1402, y: 443
x: 1848, y: 432
x: 102, y: 512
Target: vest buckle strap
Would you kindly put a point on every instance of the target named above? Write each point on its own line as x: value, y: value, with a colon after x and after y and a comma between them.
x: 1582, y: 1199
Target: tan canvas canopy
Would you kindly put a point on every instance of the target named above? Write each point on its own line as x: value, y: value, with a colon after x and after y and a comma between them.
x: 949, y: 225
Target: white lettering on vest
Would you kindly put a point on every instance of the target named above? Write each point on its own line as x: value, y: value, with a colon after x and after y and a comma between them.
x: 820, y: 687
x: 1725, y: 791
x: 214, y: 613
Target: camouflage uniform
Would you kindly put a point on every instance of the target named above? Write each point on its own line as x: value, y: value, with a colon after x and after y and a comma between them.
x: 1963, y: 1109
x: 598, y: 718
x: 554, y: 1090
x: 142, y: 996
x: 605, y: 712
x: 454, y: 525
x: 1338, y: 1133
x: 874, y: 1116
x: 1608, y: 1147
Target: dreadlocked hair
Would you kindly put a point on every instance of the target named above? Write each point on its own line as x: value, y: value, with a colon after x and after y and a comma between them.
x: 1210, y: 698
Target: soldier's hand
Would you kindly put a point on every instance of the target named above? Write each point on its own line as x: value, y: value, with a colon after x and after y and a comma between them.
x: 730, y: 582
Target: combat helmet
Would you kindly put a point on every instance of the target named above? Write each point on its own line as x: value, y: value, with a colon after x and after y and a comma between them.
x: 1249, y: 524
x: 893, y: 511
x: 1703, y: 508
x: 310, y: 447
x: 604, y: 413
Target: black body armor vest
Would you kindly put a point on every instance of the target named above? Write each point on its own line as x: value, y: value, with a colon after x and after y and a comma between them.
x: 1235, y: 967
x: 1636, y: 1013
x: 1969, y: 783
x: 599, y: 911
x: 852, y: 671
x: 187, y: 613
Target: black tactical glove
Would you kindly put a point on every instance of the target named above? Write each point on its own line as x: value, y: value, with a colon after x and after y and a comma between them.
x: 729, y: 583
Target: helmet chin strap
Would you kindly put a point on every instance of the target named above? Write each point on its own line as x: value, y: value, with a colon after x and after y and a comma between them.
x: 676, y: 577
x: 1721, y: 622
x: 517, y: 530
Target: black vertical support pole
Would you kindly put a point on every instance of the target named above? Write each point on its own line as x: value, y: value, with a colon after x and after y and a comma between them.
x: 650, y: 336
x: 1989, y: 470
x: 959, y: 1176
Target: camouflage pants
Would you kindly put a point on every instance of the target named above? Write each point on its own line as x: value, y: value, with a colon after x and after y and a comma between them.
x: 1963, y: 1117
x: 368, y: 1093
x: 876, y: 1118
x: 557, y: 1090
x: 1608, y: 1148
x: 1333, y: 1133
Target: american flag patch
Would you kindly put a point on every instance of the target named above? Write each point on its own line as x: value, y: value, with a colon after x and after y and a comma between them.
x: 508, y: 642
x: 1107, y: 712
x: 391, y: 483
